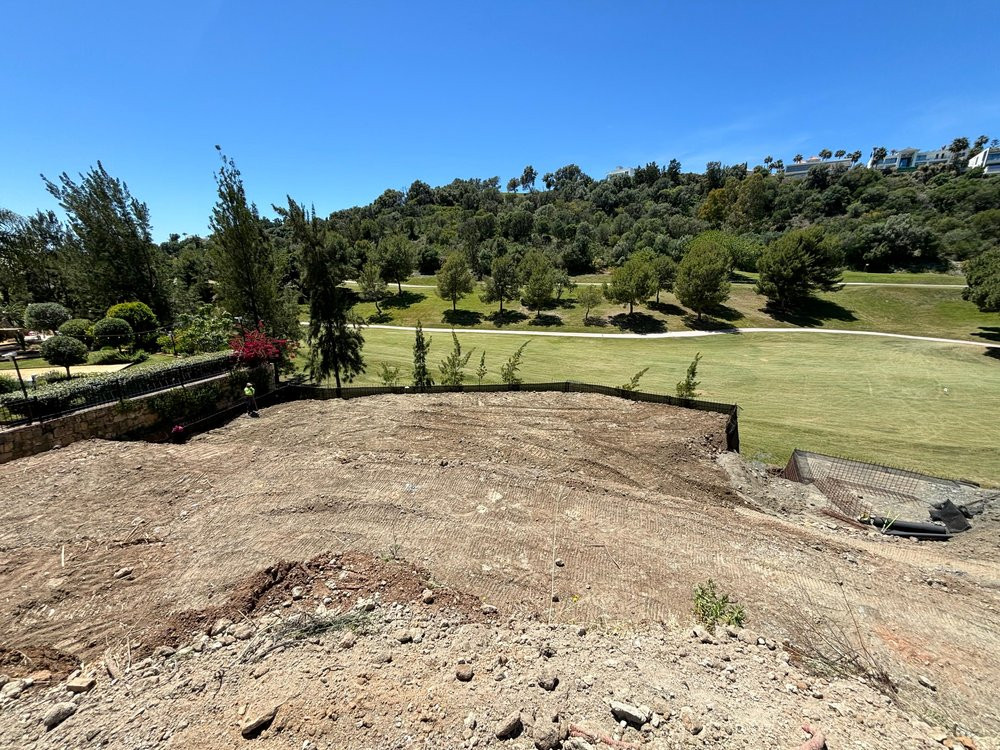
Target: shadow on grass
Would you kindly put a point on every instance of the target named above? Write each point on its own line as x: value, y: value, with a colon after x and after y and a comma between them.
x: 638, y: 322
x: 379, y: 318
x: 813, y: 312
x: 508, y: 317
x: 993, y: 354
x: 706, y: 323
x: 546, y: 319
x: 990, y: 333
x: 741, y: 277
x: 405, y: 299
x: 595, y: 322
x: 462, y: 317
x: 666, y: 308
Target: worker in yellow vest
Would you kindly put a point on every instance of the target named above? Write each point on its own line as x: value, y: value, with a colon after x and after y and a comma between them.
x: 250, y: 392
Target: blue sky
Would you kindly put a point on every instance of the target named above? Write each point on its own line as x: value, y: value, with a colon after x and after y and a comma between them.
x: 332, y: 102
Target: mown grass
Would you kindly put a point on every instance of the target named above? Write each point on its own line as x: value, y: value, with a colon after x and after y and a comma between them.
x: 930, y: 407
x: 919, y: 311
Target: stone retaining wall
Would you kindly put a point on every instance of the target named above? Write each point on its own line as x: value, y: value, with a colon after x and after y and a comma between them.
x: 135, y: 417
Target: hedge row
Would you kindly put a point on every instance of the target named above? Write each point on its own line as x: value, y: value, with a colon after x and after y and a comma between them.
x: 66, y: 395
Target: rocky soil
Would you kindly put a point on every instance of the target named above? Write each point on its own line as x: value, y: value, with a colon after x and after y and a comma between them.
x: 331, y: 658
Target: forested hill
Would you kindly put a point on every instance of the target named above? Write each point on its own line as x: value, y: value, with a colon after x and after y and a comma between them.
x: 880, y: 221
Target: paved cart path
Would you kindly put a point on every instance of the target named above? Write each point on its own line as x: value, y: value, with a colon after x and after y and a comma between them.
x: 689, y: 334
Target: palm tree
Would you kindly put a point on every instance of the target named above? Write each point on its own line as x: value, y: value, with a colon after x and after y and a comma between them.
x: 855, y: 156
x: 841, y: 153
x: 825, y: 154
x: 797, y: 158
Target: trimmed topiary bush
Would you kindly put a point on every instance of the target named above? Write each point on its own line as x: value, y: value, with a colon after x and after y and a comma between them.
x: 113, y: 332
x: 78, y: 328
x: 64, y: 351
x: 141, y: 317
x: 45, y: 316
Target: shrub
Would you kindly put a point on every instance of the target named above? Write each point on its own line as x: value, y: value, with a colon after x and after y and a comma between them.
x: 712, y: 608
x: 45, y: 316
x: 113, y: 332
x: 206, y: 330
x: 64, y: 351
x: 78, y: 328
x: 142, y: 319
x: 8, y: 385
x: 97, y: 389
x: 108, y: 356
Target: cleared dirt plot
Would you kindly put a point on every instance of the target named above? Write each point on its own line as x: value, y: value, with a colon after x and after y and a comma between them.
x: 551, y: 508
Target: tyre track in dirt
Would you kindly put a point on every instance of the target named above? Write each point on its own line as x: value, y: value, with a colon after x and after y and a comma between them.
x: 464, y: 484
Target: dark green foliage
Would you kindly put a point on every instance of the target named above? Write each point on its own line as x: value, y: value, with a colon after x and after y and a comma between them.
x: 633, y: 283
x: 66, y: 394
x: 245, y: 260
x: 64, y: 351
x: 421, y: 377
x: 112, y: 248
x: 142, y: 319
x: 797, y: 264
x: 112, y: 332
x: 45, y: 316
x: 206, y: 329
x: 397, y: 259
x: 335, y: 339
x: 454, y: 280
x: 538, y: 277
x: 982, y: 275
x: 688, y: 387
x: 665, y: 269
x: 503, y: 284
x: 78, y: 328
x: 116, y: 357
x: 509, y: 369
x: 8, y: 385
x: 453, y: 366
x: 588, y: 298
x: 703, y: 275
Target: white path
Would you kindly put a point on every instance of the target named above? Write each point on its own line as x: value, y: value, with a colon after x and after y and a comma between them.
x: 688, y: 334
x: 845, y: 283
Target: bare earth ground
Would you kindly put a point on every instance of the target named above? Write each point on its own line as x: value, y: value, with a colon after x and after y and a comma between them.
x: 483, y: 494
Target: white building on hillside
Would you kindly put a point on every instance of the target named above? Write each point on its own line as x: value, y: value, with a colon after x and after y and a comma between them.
x: 988, y: 159
x: 802, y: 168
x: 908, y: 159
x: 622, y: 172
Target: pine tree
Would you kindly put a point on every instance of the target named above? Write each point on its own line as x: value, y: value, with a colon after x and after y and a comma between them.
x: 454, y: 280
x: 508, y: 371
x: 481, y: 370
x: 687, y: 387
x: 335, y: 339
x: 421, y: 378
x: 453, y: 367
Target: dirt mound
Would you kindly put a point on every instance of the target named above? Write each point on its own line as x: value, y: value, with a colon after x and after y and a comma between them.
x: 22, y: 662
x: 336, y: 578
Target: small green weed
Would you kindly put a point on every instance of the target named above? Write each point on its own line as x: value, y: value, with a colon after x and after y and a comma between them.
x: 712, y: 608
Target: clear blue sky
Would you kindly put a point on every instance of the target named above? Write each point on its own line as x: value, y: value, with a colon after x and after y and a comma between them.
x: 333, y: 102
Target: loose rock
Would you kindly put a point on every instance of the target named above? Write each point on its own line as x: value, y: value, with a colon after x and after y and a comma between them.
x: 509, y: 727
x: 58, y: 714
x: 464, y: 673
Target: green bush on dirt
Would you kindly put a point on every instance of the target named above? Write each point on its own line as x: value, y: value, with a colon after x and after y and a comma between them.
x: 712, y: 608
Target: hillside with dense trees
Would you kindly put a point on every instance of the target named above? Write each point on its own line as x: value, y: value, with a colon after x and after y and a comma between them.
x: 858, y: 218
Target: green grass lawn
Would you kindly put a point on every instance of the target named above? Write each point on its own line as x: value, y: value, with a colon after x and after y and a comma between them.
x: 919, y: 311
x: 929, y: 407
